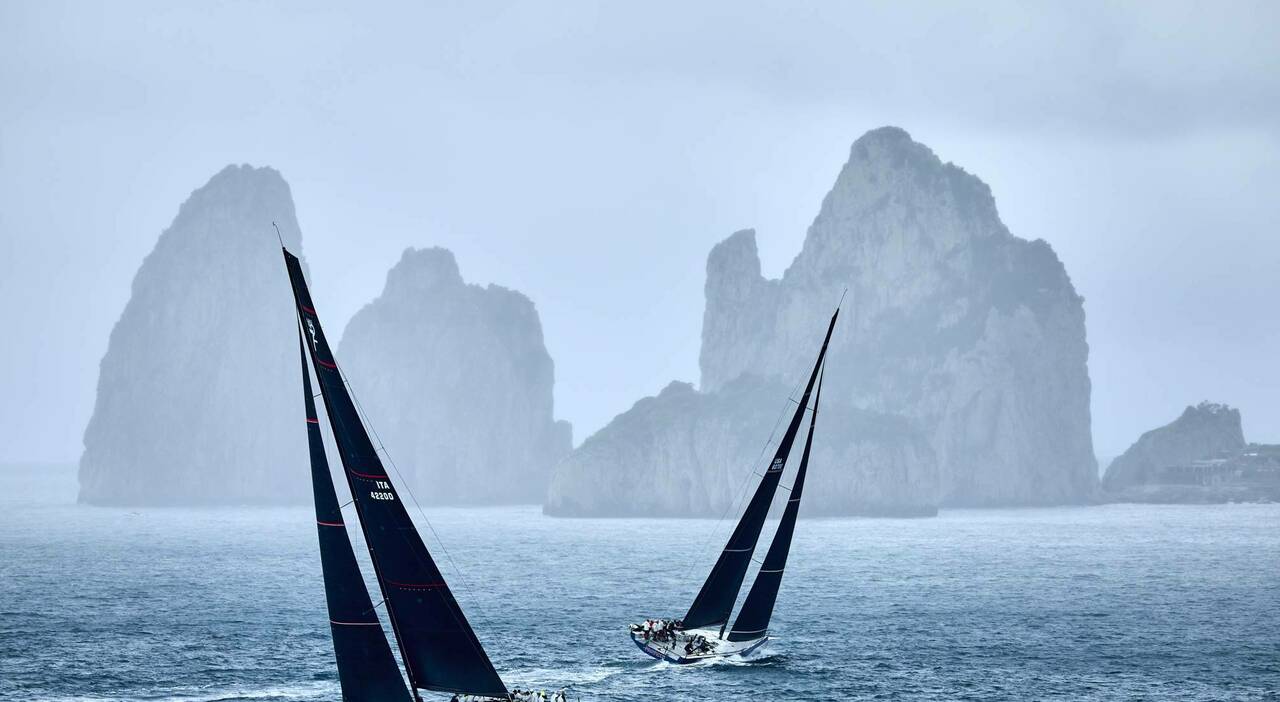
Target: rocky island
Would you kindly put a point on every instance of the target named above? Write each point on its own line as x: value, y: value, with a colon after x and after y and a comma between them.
x: 1200, y: 457
x: 957, y: 375
x: 458, y: 383
x: 199, y: 398
x: 199, y: 393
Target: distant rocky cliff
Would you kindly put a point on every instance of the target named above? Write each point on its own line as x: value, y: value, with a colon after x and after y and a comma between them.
x: 198, y: 394
x: 969, y: 335
x: 951, y: 321
x: 687, y: 453
x: 457, y: 381
x: 1205, y: 431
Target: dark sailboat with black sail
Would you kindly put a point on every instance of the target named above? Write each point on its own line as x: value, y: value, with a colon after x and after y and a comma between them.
x: 700, y: 634
x: 438, y: 648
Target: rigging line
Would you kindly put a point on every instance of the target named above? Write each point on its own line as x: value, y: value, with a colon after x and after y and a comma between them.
x: 738, y: 501
x: 778, y: 498
x: 473, y: 640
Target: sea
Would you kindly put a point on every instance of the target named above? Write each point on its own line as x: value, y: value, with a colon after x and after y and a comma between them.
x: 1116, y: 602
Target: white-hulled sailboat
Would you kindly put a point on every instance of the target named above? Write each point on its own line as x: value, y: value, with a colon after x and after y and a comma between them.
x: 701, y: 635
x: 439, y: 649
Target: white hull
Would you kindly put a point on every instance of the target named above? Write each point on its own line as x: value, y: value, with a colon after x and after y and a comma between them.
x: 522, y: 696
x: 674, y: 651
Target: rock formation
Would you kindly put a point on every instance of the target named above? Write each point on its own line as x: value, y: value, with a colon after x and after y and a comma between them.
x: 973, y: 337
x: 199, y: 398
x: 457, y: 381
x: 1205, y: 431
x: 687, y: 453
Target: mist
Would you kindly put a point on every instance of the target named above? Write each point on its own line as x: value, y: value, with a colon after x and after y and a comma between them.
x: 591, y: 156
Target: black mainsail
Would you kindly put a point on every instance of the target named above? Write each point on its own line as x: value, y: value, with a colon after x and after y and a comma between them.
x: 366, y: 669
x: 438, y: 646
x: 715, y: 600
x: 753, y: 618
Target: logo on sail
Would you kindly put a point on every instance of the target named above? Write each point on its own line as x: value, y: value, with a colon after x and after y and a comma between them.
x: 311, y: 329
x: 777, y: 465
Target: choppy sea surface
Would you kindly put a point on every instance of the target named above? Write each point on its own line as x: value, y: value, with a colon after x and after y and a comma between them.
x: 1115, y: 602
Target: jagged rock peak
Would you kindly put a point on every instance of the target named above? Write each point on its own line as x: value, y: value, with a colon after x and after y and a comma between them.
x: 249, y: 188
x: 1212, y: 409
x: 888, y: 157
x: 894, y: 189
x: 676, y: 388
x: 1217, y: 415
x: 736, y: 256
x: 459, y: 383
x: 198, y: 390
x: 888, y: 150
x: 733, y: 275
x: 422, y: 270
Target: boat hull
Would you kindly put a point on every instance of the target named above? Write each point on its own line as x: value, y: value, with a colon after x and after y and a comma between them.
x: 664, y: 651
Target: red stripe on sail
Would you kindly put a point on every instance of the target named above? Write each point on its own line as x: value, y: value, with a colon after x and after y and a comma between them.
x: 306, y: 309
x: 326, y: 364
x: 330, y: 523
x: 312, y: 420
x: 417, y: 586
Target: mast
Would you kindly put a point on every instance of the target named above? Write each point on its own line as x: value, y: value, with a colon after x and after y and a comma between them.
x: 715, y: 600
x: 367, y: 671
x: 753, y: 618
x: 438, y: 645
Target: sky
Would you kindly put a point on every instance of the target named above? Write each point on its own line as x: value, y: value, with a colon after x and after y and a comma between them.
x: 591, y: 154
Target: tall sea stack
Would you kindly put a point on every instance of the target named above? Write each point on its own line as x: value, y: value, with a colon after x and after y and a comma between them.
x: 458, y: 383
x: 198, y: 394
x: 970, y: 337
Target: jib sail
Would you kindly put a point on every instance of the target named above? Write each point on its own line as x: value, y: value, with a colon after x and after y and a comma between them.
x: 367, y: 671
x: 753, y: 618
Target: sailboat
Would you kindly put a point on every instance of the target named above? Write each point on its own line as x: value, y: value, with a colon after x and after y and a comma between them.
x: 438, y: 647
x: 701, y: 634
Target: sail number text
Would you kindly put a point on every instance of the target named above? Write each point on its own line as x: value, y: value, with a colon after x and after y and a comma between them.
x: 383, y: 492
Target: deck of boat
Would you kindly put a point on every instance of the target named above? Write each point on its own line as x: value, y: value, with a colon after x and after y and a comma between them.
x: 673, y: 651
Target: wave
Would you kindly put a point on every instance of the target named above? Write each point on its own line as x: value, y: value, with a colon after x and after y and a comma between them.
x: 557, y: 678
x: 304, y: 691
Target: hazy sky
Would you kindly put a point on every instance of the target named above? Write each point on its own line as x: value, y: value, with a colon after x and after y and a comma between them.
x: 591, y: 155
